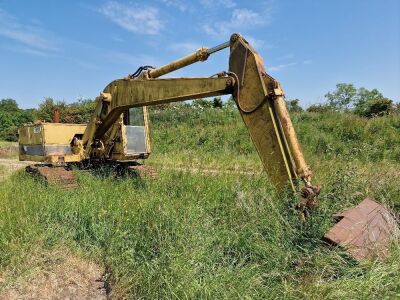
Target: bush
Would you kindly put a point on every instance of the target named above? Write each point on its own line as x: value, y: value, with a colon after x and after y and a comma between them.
x: 319, y: 108
x: 10, y: 134
x: 77, y: 112
x: 11, y: 118
x: 217, y: 102
x: 202, y: 103
x: 374, y: 108
x: 294, y: 106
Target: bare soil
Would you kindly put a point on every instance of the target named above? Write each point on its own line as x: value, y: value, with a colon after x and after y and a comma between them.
x: 56, y: 274
x: 8, y: 166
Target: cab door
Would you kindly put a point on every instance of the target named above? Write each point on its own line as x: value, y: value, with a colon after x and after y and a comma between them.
x: 137, y: 132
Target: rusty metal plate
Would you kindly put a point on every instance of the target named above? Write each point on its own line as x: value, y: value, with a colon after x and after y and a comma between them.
x: 364, y: 231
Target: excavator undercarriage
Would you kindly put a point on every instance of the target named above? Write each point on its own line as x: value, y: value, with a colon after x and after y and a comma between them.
x: 118, y: 131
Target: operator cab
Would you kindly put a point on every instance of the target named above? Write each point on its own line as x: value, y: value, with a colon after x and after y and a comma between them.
x: 136, y: 125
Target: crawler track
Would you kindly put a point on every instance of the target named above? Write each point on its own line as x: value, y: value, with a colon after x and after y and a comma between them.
x: 54, y: 175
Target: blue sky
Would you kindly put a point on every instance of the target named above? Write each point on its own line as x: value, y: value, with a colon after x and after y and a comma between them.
x: 73, y: 49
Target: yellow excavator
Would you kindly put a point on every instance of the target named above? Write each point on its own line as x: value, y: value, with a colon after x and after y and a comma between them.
x: 118, y: 132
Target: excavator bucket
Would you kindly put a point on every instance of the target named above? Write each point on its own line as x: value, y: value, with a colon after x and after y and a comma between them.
x: 364, y: 231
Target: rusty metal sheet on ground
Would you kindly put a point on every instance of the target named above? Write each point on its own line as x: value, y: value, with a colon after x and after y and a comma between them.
x: 364, y: 231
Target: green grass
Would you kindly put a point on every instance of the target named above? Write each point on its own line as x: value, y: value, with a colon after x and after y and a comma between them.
x: 4, y: 144
x: 218, y: 138
x: 8, y: 149
x: 199, y: 236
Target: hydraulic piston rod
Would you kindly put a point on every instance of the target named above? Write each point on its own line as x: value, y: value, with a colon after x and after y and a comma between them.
x: 200, y: 55
x: 219, y: 47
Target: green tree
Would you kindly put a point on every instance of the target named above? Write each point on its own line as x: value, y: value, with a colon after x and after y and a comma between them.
x: 8, y: 105
x: 78, y: 112
x: 371, y: 103
x: 217, y: 102
x: 375, y: 107
x: 364, y: 95
x: 46, y: 110
x: 319, y: 108
x: 202, y: 103
x: 11, y: 118
x: 343, y: 98
x: 294, y: 105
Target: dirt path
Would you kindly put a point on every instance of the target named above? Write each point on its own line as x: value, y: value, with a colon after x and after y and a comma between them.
x: 14, y: 163
x: 58, y: 274
x: 9, y: 166
x: 211, y: 171
x: 55, y: 274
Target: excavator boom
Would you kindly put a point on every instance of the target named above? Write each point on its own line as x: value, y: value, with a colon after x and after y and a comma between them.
x: 258, y: 96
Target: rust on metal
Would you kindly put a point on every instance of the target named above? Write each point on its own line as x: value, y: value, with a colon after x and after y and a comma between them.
x: 54, y: 175
x: 308, y: 199
x: 56, y: 118
x: 364, y: 231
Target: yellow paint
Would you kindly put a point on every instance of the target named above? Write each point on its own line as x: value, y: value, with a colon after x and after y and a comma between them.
x: 55, y: 159
x: 49, y: 133
x: 258, y: 97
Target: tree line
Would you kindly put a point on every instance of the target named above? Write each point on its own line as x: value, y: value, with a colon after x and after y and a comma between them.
x: 345, y: 98
x: 12, y: 117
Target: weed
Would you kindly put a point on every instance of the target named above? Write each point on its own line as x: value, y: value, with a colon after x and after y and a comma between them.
x: 221, y: 236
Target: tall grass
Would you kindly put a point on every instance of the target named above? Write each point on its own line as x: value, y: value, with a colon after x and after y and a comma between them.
x: 193, y: 236
x: 213, y: 136
x: 200, y: 236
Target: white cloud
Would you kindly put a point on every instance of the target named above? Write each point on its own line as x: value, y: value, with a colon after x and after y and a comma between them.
x: 257, y: 44
x: 240, y: 19
x: 117, y: 38
x: 281, y: 67
x: 287, y: 56
x: 31, y: 51
x: 23, y: 49
x: 133, y: 17
x: 186, y: 47
x: 181, y: 5
x: 216, y: 3
x: 28, y: 35
x: 123, y: 58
